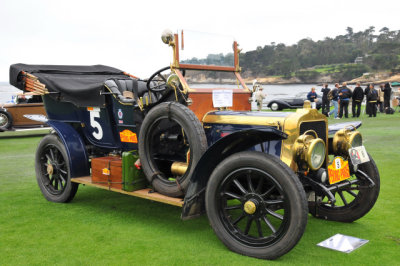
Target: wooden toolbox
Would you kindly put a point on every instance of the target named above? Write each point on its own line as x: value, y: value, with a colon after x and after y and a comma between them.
x: 107, y: 171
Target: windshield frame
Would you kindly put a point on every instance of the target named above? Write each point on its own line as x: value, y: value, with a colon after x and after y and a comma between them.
x: 177, y: 67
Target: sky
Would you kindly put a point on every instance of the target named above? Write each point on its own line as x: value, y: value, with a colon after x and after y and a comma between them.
x: 127, y: 34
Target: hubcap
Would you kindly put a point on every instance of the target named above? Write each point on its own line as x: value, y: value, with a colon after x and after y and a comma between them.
x: 250, y: 207
x: 3, y: 120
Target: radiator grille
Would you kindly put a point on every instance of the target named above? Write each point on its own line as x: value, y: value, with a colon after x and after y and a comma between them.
x: 318, y: 126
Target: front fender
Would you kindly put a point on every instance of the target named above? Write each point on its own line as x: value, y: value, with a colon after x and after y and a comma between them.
x: 75, y: 147
x: 332, y: 129
x: 233, y: 143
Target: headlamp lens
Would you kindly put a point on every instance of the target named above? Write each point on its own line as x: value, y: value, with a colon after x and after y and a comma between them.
x: 317, y: 154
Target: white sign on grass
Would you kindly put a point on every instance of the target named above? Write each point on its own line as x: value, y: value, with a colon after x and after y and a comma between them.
x: 343, y: 243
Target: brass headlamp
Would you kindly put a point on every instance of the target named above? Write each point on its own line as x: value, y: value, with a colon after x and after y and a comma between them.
x: 345, y: 139
x: 167, y: 37
x: 309, y: 151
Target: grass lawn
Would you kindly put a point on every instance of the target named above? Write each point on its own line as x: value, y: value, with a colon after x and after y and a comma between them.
x: 105, y: 228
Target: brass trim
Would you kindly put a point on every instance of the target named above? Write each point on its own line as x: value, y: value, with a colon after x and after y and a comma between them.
x: 353, y: 135
x: 291, y: 126
x: 179, y: 168
x: 342, y: 141
x: 242, y: 120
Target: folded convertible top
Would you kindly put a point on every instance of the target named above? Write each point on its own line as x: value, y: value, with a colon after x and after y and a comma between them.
x: 80, y: 85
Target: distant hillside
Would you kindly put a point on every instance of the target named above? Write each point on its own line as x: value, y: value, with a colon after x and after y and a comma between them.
x: 344, y: 57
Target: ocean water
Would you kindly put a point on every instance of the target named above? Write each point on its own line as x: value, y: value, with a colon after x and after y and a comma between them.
x: 272, y: 91
x: 7, y: 91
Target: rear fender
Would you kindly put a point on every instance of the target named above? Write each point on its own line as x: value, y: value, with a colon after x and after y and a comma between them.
x: 75, y: 147
x: 233, y: 143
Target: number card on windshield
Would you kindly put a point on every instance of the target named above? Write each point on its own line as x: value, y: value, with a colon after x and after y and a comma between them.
x: 222, y: 98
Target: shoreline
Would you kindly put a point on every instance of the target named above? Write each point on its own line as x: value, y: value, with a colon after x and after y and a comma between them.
x: 380, y: 77
x: 377, y: 78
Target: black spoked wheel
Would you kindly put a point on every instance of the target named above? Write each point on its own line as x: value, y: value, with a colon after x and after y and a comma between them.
x: 256, y: 205
x: 171, y: 142
x: 52, y: 170
x: 354, y: 201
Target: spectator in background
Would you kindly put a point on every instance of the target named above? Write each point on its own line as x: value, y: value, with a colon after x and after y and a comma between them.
x: 313, y: 98
x: 358, y: 96
x: 325, y: 101
x: 335, y: 99
x: 372, y: 98
x: 387, y: 92
x: 344, y: 99
x: 366, y: 90
x: 380, y: 99
x: 22, y: 99
x: 260, y: 96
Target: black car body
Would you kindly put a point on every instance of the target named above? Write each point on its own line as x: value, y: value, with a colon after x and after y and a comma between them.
x: 291, y: 102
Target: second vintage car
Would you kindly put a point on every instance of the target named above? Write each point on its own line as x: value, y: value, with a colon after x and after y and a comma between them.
x: 14, y: 115
x: 290, y: 102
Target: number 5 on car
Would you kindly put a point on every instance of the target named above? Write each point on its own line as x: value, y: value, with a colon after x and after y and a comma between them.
x: 94, y: 112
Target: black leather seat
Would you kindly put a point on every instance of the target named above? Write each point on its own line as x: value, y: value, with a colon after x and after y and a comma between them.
x: 122, y: 85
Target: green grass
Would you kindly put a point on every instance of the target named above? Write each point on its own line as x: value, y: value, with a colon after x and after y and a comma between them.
x: 24, y: 133
x: 105, y: 228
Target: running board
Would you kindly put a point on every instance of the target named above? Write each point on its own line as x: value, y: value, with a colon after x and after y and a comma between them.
x: 142, y: 193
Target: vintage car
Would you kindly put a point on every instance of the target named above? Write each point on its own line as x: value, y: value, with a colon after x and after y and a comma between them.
x: 15, y: 114
x: 256, y: 175
x: 291, y: 102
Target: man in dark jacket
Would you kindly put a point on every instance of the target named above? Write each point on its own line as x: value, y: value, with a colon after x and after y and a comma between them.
x: 372, y: 98
x: 313, y: 98
x: 366, y: 91
x: 387, y: 91
x: 344, y: 98
x: 358, y: 96
x: 325, y: 101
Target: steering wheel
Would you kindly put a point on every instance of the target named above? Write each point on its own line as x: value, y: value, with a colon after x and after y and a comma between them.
x: 159, y: 79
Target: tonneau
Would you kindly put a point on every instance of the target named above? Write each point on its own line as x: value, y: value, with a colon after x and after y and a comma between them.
x: 80, y: 85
